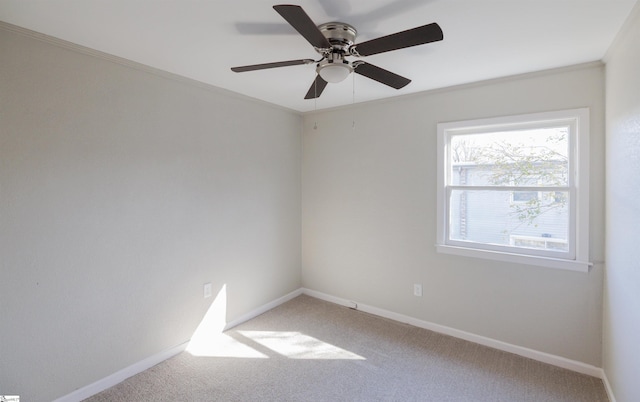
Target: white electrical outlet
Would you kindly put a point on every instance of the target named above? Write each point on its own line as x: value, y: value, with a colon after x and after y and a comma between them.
x: 207, y: 290
x: 417, y: 289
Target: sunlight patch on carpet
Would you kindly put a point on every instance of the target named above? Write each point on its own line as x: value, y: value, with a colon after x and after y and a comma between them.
x: 225, y: 346
x: 296, y: 345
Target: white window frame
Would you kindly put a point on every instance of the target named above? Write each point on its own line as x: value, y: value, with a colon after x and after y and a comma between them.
x: 577, y: 259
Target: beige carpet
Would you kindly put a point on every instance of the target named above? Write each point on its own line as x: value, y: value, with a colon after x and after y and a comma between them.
x: 311, y: 350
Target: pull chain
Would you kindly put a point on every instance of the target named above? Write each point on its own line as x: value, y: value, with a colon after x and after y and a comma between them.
x: 353, y: 102
x: 315, y: 103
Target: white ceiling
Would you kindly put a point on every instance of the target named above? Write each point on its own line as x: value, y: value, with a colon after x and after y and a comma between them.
x: 202, y: 39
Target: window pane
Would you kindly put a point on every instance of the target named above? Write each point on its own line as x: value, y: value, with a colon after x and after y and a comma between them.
x: 524, y: 196
x: 532, y: 157
x: 492, y: 217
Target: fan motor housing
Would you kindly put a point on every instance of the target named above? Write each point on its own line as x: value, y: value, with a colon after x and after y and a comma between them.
x: 341, y: 35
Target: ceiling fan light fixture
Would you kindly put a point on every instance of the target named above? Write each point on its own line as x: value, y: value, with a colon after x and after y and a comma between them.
x: 336, y: 40
x: 334, y: 71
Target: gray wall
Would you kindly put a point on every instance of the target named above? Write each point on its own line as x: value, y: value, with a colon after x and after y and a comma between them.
x: 622, y: 278
x: 369, y: 217
x: 121, y: 193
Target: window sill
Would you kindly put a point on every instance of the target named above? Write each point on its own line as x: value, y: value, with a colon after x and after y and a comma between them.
x: 555, y: 263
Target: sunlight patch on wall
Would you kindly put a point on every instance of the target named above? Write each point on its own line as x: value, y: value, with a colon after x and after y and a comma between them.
x: 208, y: 339
x: 296, y: 345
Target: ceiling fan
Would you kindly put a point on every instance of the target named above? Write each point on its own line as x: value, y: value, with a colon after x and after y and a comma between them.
x: 335, y: 41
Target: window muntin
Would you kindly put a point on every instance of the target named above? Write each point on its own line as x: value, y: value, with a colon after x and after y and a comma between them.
x: 516, y: 185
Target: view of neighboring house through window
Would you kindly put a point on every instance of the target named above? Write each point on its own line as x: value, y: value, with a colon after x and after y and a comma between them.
x: 512, y: 185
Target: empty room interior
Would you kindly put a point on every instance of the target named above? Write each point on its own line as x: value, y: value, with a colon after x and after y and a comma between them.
x: 161, y: 186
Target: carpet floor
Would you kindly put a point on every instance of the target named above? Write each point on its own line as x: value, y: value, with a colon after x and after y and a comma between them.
x: 311, y: 350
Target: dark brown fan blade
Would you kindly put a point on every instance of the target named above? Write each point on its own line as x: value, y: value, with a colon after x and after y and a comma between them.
x: 253, y: 67
x: 299, y: 19
x: 400, y: 40
x: 381, y: 75
x: 316, y: 88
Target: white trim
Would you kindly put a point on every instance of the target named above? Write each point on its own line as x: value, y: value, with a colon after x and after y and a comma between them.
x: 443, y: 154
x: 116, y: 378
x: 554, y: 360
x: 546, y: 262
x: 136, y: 368
x: 119, y: 376
x: 634, y: 15
x: 577, y: 256
x: 607, y: 385
x: 52, y: 40
x: 139, y: 66
x: 476, y: 84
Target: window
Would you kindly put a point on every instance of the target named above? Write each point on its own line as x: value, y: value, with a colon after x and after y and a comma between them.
x: 516, y: 188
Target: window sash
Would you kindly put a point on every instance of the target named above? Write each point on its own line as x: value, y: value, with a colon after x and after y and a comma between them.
x: 577, y: 187
x: 508, y: 188
x: 570, y: 254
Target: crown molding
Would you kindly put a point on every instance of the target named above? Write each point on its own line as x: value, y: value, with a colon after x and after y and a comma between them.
x: 74, y: 47
x: 632, y: 19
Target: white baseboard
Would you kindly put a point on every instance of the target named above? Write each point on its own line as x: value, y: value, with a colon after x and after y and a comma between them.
x: 559, y: 361
x: 116, y: 378
x: 607, y: 384
x: 113, y: 379
x: 136, y: 368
